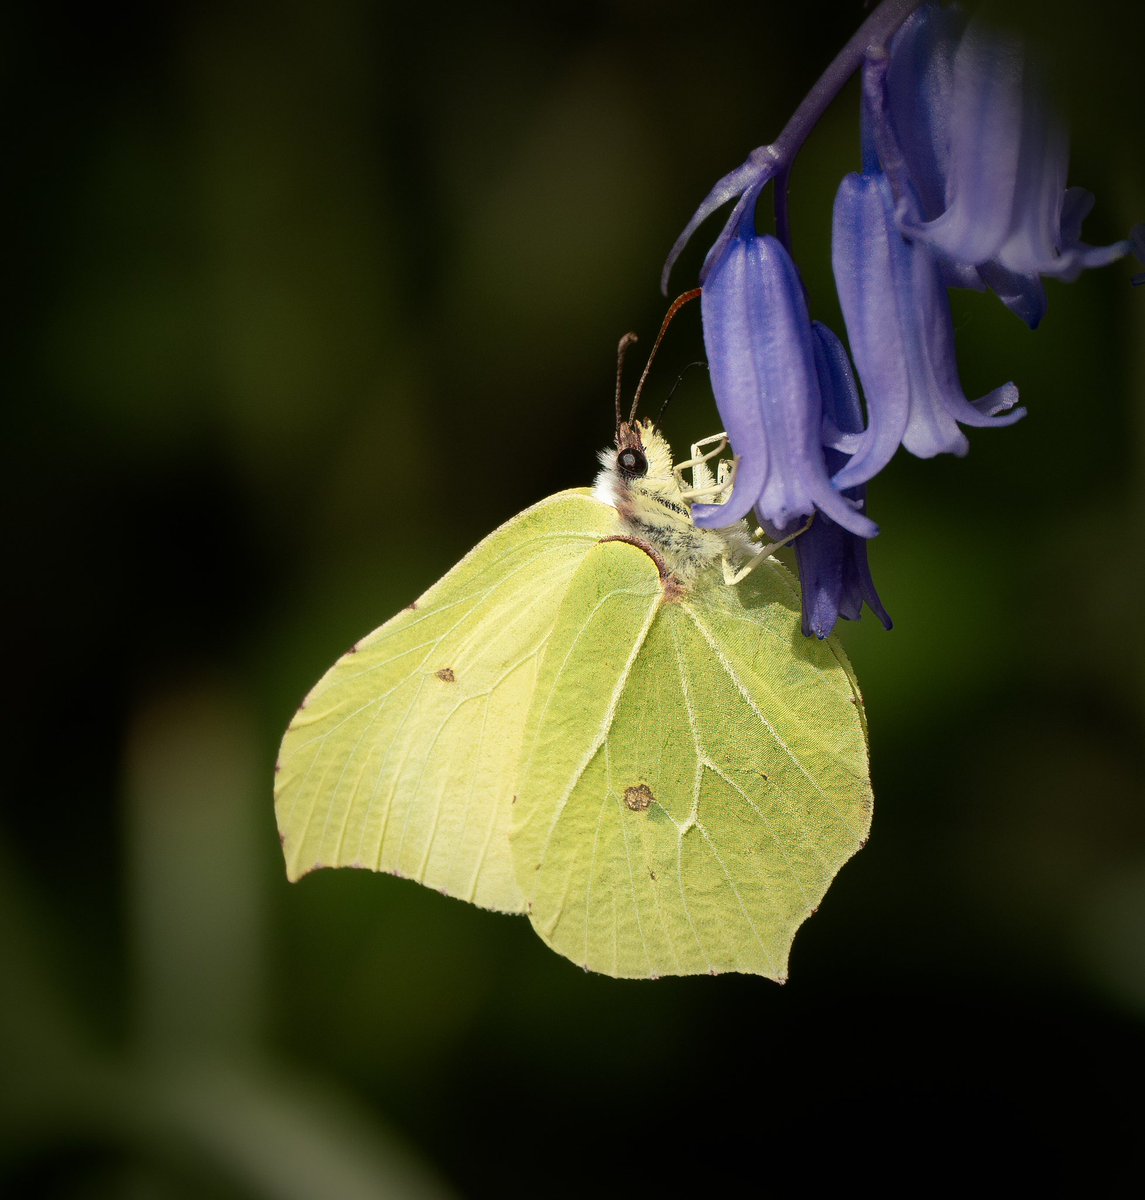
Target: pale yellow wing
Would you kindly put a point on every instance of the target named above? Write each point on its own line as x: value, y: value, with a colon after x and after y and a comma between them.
x: 694, y: 774
x: 404, y: 757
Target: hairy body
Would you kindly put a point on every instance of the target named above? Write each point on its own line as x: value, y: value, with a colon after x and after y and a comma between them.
x: 640, y: 481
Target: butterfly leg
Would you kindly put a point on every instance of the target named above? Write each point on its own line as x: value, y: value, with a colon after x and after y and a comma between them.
x: 702, y: 485
x: 704, y: 488
x: 718, y: 442
x: 726, y: 473
x: 759, y: 554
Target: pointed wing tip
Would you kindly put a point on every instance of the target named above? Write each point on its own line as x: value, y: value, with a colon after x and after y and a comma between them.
x: 296, y: 868
x: 294, y: 872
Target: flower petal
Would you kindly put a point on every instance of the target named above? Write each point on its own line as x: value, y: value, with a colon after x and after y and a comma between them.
x: 835, y: 578
x: 842, y: 409
x: 919, y: 86
x: 902, y: 337
x: 758, y: 338
x: 978, y: 161
x: 866, y: 256
x: 834, y: 575
x: 985, y: 136
x: 1023, y: 295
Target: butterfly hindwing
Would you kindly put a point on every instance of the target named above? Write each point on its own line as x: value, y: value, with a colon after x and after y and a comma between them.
x: 404, y: 756
x: 691, y: 818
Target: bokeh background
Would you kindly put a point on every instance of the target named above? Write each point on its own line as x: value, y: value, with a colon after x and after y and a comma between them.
x: 307, y: 299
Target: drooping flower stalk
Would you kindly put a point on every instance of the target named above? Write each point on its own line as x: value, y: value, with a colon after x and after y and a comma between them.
x: 773, y: 161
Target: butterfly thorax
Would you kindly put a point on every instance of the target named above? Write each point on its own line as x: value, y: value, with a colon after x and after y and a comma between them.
x: 638, y: 480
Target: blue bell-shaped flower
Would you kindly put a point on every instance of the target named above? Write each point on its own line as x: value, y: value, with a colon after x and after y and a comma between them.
x: 758, y: 337
x: 985, y: 158
x: 902, y: 337
x: 833, y: 572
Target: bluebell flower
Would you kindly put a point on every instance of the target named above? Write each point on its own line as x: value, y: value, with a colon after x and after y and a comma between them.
x: 978, y: 162
x: 898, y: 320
x: 963, y: 185
x: 759, y: 342
x: 833, y: 572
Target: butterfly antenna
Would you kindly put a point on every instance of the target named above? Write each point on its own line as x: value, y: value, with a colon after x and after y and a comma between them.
x: 621, y: 351
x: 679, y: 380
x: 677, y: 304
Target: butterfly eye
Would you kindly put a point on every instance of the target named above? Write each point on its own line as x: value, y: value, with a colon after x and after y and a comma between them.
x: 631, y: 463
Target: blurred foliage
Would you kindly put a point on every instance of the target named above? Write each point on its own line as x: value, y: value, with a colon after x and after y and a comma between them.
x: 310, y: 297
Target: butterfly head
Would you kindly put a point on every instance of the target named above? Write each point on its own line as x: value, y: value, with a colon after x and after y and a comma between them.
x: 637, y: 479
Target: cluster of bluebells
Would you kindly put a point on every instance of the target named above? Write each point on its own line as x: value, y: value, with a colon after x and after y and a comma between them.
x: 963, y: 184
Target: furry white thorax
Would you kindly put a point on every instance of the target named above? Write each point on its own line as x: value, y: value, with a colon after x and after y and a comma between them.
x: 653, y: 509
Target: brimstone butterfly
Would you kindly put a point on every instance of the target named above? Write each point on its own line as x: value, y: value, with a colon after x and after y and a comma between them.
x: 587, y: 721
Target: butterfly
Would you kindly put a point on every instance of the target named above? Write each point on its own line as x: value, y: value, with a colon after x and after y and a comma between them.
x: 603, y: 717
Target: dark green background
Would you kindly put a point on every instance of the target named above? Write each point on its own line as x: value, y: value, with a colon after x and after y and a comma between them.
x: 305, y: 300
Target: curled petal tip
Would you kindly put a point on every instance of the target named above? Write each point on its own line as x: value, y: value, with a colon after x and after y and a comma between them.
x: 1000, y: 402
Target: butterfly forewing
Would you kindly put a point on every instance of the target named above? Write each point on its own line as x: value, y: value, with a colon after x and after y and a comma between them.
x: 404, y: 757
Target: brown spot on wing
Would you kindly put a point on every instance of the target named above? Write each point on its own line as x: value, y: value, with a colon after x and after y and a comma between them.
x: 638, y: 798
x: 412, y: 606
x: 446, y: 675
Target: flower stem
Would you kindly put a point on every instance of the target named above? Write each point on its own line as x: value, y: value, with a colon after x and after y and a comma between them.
x: 875, y: 31
x: 767, y: 164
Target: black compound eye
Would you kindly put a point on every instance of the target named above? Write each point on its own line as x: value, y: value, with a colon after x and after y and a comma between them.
x: 631, y: 463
